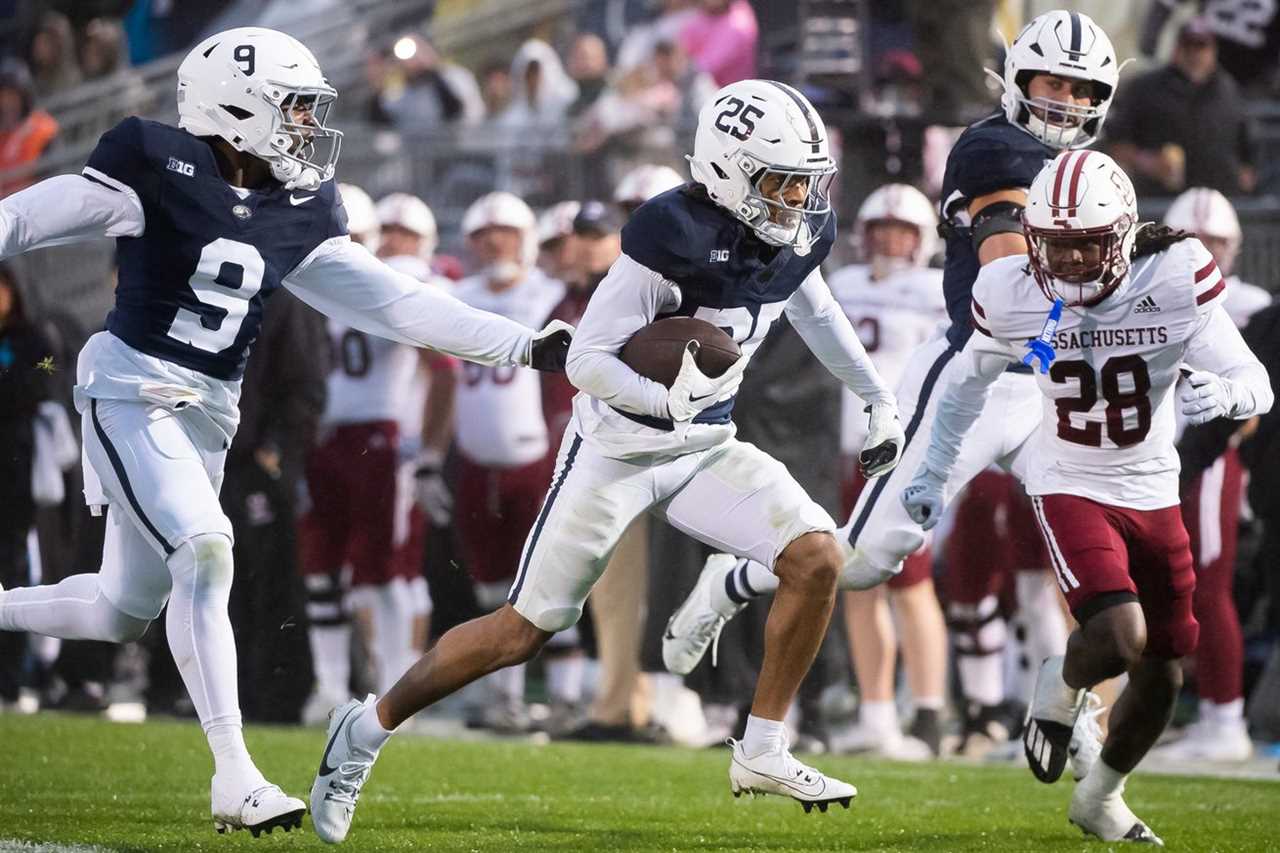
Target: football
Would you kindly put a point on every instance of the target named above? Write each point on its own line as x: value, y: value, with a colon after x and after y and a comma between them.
x: 657, y: 350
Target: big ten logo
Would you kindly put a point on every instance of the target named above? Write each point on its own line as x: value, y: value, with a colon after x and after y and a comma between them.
x: 473, y: 374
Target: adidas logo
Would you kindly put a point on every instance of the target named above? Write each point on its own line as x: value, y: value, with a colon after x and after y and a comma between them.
x: 1147, y: 305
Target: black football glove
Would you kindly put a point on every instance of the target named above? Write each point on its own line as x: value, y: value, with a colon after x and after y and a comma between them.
x: 550, y: 347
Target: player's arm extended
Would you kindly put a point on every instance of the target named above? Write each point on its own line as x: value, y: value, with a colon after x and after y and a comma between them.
x: 342, y: 280
x: 827, y: 332
x: 628, y: 298
x: 68, y: 209
x: 1217, y: 347
x: 982, y: 361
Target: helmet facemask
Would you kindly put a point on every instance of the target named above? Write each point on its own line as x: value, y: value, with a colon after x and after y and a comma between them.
x: 306, y: 149
x: 1080, y: 266
x: 777, y: 221
x: 1056, y: 123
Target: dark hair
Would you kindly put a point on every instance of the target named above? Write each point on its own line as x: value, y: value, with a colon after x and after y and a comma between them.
x: 17, y: 312
x: 1152, y: 238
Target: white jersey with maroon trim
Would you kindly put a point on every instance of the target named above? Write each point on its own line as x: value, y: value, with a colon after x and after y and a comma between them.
x: 1244, y: 300
x: 1107, y: 431
x: 892, y: 316
x: 499, y: 410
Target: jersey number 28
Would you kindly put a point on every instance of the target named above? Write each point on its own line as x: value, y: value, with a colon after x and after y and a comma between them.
x: 1135, y: 399
x: 228, y: 275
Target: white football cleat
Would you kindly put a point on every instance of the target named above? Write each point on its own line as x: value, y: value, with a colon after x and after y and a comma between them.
x: 344, y: 768
x: 1109, y: 818
x: 1206, y: 740
x: 259, y: 810
x: 778, y: 772
x: 1086, y: 737
x: 1051, y: 720
x: 696, y: 624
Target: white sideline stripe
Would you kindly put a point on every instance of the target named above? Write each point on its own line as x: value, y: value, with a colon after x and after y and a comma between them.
x: 13, y: 845
x: 1065, y: 577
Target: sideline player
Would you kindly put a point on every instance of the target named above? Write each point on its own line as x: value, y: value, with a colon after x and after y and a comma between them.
x: 1211, y: 512
x: 895, y: 302
x: 1132, y: 311
x: 1059, y: 76
x: 212, y: 216
x: 737, y: 249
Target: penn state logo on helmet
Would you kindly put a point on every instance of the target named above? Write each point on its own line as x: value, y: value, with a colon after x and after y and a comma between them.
x: 1064, y: 44
x: 1080, y: 223
x: 761, y: 153
x: 263, y: 92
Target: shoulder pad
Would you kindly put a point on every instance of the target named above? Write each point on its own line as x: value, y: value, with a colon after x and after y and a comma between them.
x: 671, y: 232
x: 995, y: 156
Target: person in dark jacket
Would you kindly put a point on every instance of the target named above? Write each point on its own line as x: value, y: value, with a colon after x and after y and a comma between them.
x: 25, y: 369
x: 280, y: 405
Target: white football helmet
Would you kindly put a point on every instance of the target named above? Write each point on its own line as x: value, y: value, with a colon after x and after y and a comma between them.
x: 412, y: 214
x: 643, y: 183
x: 1207, y: 213
x: 759, y: 142
x: 263, y: 92
x: 362, y: 220
x: 1065, y: 44
x: 504, y: 208
x: 557, y: 221
x: 1080, y: 223
x: 900, y: 203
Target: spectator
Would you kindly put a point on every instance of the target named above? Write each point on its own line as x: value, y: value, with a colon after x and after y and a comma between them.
x: 953, y: 42
x: 495, y: 88
x: 722, y: 38
x: 1184, y: 124
x: 589, y: 68
x: 1249, y: 35
x: 24, y: 384
x: 52, y: 56
x: 637, y: 48
x: 692, y: 86
x: 102, y: 50
x: 422, y: 91
x: 543, y: 91
x: 25, y: 132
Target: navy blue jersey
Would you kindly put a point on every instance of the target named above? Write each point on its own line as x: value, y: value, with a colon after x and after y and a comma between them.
x: 726, y: 274
x: 992, y: 154
x: 191, y: 288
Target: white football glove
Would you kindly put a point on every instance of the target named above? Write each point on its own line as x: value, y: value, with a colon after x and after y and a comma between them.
x: 925, y: 498
x: 885, y: 440
x: 431, y: 491
x: 692, y: 391
x: 1206, y: 396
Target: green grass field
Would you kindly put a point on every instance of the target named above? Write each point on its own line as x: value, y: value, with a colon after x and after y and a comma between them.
x: 135, y: 788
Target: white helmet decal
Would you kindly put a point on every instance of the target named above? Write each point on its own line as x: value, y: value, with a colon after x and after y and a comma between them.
x: 263, y: 92
x: 1080, y: 223
x: 1064, y: 44
x: 755, y: 132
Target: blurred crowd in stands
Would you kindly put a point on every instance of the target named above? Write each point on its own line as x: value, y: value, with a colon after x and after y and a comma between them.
x: 380, y: 497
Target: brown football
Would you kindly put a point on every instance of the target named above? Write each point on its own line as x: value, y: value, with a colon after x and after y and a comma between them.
x: 656, y: 350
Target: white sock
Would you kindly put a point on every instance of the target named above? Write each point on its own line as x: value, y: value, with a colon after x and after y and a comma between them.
x: 881, y: 716
x: 1040, y: 615
x: 204, y: 647
x: 763, y: 736
x: 928, y: 703
x: 1102, y: 781
x: 507, y: 684
x: 392, y: 631
x: 331, y: 658
x: 1224, y: 714
x: 564, y: 678
x: 367, y: 730
x: 746, y: 581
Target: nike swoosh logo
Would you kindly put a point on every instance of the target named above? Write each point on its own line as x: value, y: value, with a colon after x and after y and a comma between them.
x: 667, y: 635
x: 693, y: 399
x: 295, y: 201
x: 813, y: 789
x: 325, y: 769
